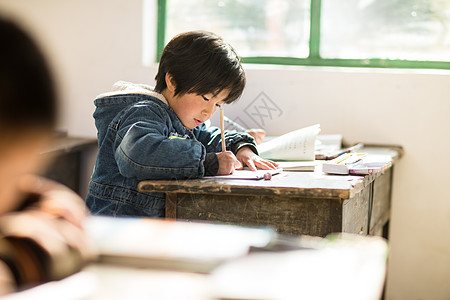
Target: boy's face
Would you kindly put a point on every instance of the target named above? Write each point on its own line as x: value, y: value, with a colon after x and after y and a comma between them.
x: 193, y: 109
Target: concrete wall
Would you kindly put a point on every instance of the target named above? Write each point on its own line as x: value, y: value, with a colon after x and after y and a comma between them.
x: 94, y: 43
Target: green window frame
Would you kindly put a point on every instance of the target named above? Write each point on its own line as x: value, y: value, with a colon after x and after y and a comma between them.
x: 314, y: 58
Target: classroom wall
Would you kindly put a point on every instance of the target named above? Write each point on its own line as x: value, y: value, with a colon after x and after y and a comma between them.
x: 94, y: 43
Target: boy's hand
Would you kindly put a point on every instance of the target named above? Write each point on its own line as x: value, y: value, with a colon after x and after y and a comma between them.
x: 248, y: 158
x: 227, y: 163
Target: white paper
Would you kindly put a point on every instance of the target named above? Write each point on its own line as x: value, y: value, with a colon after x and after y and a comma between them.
x: 294, y: 145
x: 247, y: 174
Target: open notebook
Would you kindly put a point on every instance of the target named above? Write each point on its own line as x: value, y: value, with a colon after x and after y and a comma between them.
x: 297, y: 145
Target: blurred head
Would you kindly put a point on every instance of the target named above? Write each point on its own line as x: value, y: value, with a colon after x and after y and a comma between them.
x: 27, y: 109
x: 198, y: 72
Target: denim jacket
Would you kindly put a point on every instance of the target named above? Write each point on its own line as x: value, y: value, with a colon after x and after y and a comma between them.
x: 140, y: 137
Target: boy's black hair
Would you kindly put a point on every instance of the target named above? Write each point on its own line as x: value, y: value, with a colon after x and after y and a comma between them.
x: 27, y: 93
x: 201, y: 62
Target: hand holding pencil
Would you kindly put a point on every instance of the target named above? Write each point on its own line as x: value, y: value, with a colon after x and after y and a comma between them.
x: 227, y: 161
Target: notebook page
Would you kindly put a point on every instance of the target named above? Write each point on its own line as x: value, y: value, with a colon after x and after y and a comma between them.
x: 294, y: 145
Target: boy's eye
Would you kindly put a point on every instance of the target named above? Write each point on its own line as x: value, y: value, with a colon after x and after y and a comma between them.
x: 218, y: 105
x: 204, y: 98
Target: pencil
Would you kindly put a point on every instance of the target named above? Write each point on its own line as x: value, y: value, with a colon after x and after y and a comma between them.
x: 222, y: 130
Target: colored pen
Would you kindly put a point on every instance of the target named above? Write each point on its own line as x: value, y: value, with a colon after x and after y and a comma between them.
x: 344, y: 151
x: 234, y: 124
x: 352, y: 149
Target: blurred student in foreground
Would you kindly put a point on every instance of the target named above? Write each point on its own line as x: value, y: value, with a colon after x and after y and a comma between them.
x: 41, y: 236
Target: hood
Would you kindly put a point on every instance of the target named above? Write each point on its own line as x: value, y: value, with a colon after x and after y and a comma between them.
x: 124, y: 88
x: 123, y: 94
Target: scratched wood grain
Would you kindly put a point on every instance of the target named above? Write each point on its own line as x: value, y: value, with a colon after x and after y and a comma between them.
x: 171, y: 205
x: 294, y: 215
x: 381, y: 207
x: 355, y: 213
x: 286, y: 214
x: 304, y: 184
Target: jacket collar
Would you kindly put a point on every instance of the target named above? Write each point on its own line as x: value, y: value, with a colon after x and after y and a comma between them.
x: 123, y: 88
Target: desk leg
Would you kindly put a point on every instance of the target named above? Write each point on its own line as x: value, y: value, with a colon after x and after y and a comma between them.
x: 171, y: 205
x: 370, y: 210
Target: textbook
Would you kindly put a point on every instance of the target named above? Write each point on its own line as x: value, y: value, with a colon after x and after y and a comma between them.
x: 343, y: 163
x: 355, y: 164
x: 174, y: 245
x: 297, y: 145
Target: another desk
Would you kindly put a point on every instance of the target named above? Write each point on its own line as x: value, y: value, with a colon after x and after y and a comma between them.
x: 348, y: 270
x: 67, y: 160
x: 310, y: 203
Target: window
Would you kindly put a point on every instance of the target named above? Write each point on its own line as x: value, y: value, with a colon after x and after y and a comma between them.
x: 352, y: 33
x: 255, y: 27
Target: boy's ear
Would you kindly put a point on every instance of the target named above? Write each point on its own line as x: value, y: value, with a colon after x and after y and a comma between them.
x: 170, y: 83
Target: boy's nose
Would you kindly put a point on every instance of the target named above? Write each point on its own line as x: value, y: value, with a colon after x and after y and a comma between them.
x: 206, y: 115
x: 207, y: 112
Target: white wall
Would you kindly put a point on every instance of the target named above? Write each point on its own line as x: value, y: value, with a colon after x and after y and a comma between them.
x: 94, y: 43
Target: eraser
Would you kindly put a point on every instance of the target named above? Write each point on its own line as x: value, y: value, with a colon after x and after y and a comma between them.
x: 267, y: 176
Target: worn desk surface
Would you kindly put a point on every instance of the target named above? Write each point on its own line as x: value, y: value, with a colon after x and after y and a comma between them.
x: 310, y: 203
x: 300, y: 184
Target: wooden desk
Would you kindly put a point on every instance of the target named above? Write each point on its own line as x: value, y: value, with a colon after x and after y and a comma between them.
x: 310, y: 203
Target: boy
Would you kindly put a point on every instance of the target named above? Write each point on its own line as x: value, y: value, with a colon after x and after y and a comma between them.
x: 160, y: 134
x: 41, y: 237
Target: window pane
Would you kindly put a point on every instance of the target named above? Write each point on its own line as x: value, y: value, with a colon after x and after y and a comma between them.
x: 253, y: 27
x: 392, y: 29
